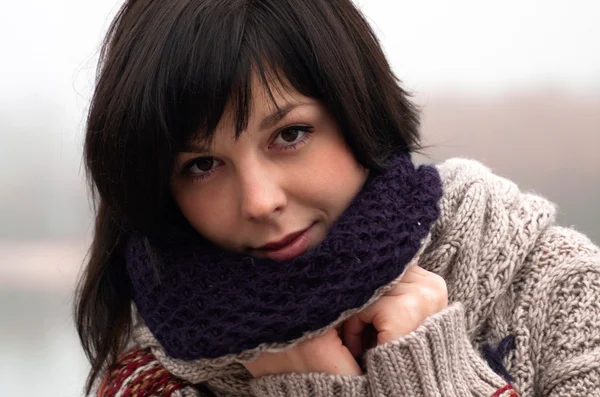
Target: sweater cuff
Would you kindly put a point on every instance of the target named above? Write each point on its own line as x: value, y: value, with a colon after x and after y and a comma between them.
x: 437, y: 359
x: 310, y: 385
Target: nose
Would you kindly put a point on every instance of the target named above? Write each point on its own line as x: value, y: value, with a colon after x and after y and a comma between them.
x: 262, y: 196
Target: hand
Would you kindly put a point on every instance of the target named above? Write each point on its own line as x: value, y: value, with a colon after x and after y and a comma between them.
x: 418, y: 295
x: 324, y: 353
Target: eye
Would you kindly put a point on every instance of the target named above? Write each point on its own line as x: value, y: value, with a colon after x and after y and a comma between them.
x: 200, y: 167
x: 203, y: 164
x: 290, y: 137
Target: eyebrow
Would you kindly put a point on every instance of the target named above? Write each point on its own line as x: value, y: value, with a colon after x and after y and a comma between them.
x: 278, y: 115
x: 196, y: 147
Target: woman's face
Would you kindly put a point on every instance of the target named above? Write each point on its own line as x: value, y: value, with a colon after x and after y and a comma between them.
x: 276, y: 190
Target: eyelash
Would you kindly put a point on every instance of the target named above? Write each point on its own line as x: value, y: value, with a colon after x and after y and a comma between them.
x: 307, y: 134
x: 308, y: 131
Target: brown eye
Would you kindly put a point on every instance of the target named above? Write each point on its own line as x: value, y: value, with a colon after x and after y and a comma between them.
x: 200, y: 168
x: 204, y: 164
x: 290, y: 135
x: 201, y: 165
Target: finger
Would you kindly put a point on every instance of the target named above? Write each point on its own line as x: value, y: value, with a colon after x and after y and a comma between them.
x: 432, y: 291
x: 402, y: 288
x: 352, y: 334
x: 346, y: 364
x: 392, y: 316
x: 415, y: 274
x: 412, y: 282
x: 373, y: 314
x: 337, y: 358
x: 427, y: 297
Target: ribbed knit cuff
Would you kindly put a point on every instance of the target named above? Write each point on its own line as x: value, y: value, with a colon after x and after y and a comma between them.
x: 310, y: 385
x: 437, y: 359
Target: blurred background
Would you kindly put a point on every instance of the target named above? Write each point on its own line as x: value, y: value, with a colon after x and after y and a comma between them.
x: 514, y: 84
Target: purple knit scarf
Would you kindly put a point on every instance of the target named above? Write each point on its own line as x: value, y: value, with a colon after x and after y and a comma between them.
x: 206, y: 302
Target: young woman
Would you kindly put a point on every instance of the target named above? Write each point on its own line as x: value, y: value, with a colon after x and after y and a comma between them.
x: 261, y: 229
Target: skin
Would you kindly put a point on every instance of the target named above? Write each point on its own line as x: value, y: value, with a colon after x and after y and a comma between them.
x: 295, y: 174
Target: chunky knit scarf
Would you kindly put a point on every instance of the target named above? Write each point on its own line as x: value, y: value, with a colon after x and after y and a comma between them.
x: 201, y: 302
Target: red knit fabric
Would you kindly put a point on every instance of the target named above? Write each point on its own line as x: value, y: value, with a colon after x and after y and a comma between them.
x: 506, y: 391
x: 138, y: 374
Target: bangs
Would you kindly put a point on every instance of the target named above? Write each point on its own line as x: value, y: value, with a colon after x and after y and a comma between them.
x: 214, y: 69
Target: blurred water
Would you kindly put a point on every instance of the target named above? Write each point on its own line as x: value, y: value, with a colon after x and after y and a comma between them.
x: 39, y: 353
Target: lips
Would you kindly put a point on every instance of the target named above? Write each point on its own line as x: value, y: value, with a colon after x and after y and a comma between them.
x: 289, y: 247
x: 283, y: 242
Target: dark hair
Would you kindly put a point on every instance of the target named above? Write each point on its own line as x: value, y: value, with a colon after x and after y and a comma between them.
x: 167, y: 71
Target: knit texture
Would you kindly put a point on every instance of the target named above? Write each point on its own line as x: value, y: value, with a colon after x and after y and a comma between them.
x: 512, y: 275
x: 435, y: 360
x: 207, y: 302
x: 140, y: 374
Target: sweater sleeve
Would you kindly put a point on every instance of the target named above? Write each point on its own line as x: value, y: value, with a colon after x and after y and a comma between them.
x: 437, y: 359
x: 310, y: 385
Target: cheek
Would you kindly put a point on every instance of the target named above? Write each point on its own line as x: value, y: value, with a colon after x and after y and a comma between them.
x: 345, y: 180
x: 333, y: 179
x: 211, y: 218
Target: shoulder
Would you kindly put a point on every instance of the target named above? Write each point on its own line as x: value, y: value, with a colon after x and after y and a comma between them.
x: 139, y: 373
x: 463, y: 172
x: 563, y: 245
x: 462, y: 166
x: 465, y: 177
x: 568, y: 264
x: 470, y: 187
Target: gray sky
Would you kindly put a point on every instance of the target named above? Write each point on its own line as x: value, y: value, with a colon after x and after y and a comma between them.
x: 49, y: 48
x: 491, y: 45
x: 431, y: 42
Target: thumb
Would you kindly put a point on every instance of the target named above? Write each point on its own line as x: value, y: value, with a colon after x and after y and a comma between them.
x: 352, y: 334
x: 334, y: 357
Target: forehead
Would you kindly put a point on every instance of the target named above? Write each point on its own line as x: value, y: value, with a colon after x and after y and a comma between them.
x: 268, y: 96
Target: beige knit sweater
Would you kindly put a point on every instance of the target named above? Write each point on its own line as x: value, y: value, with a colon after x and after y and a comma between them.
x: 510, y: 271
